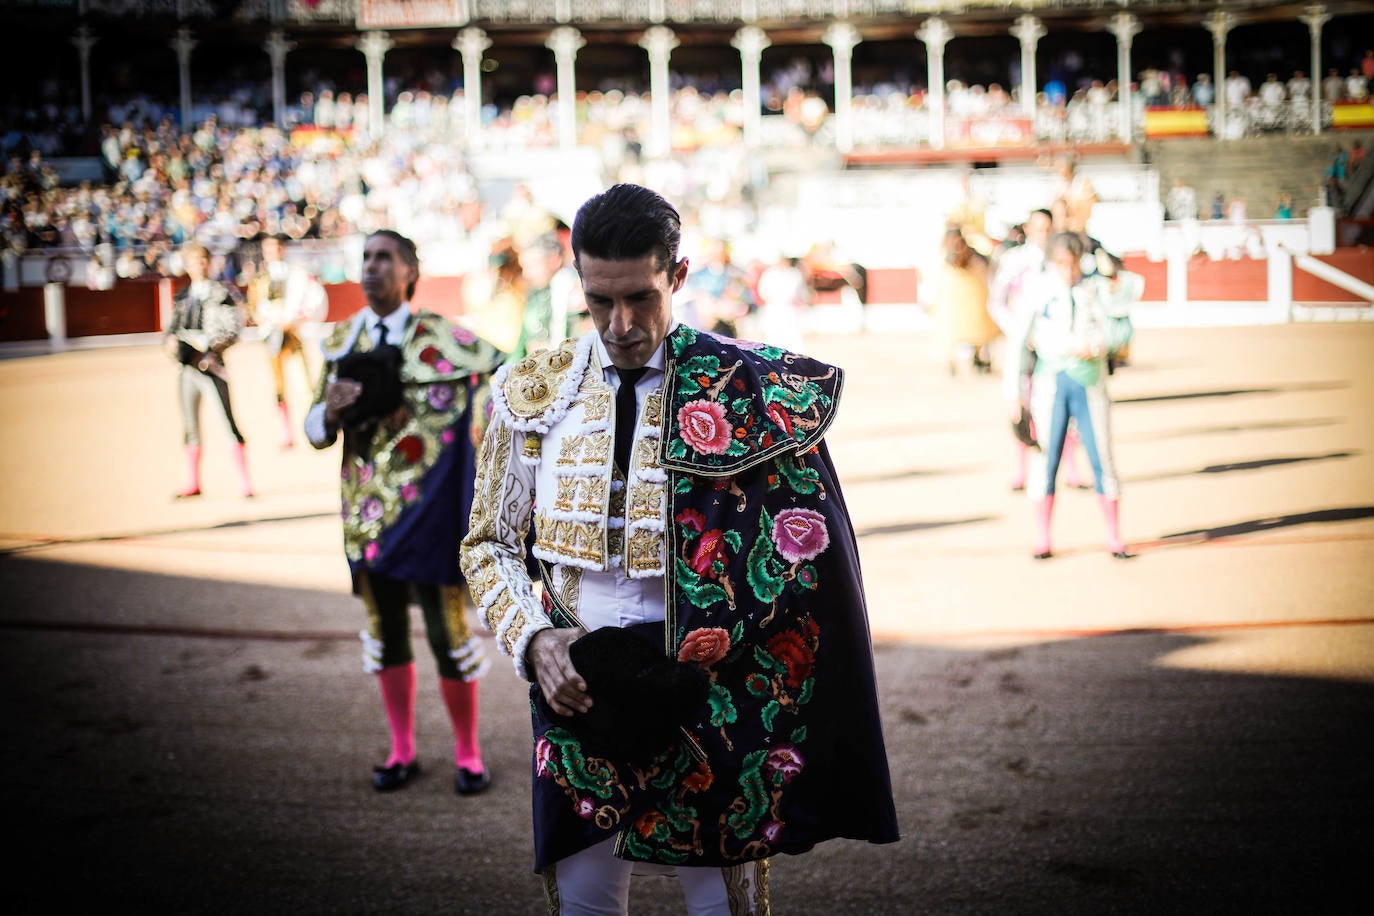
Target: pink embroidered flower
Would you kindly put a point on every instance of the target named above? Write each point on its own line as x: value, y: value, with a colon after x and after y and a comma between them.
x: 705, y: 646
x: 443, y: 366
x: 365, y: 473
x: 772, y: 830
x: 800, y: 534
x: 586, y: 808
x: 710, y: 549
x: 783, y: 763
x: 463, y: 336
x: 704, y: 428
x: 370, y: 510
x: 409, y: 492
x: 370, y: 551
x: 543, y: 756
x: 446, y: 437
x: 440, y: 397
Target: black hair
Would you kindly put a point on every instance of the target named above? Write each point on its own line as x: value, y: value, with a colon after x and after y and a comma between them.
x: 407, y: 251
x: 1043, y: 212
x: 626, y: 222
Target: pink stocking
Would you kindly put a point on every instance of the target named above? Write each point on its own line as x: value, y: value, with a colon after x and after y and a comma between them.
x: 398, y: 695
x: 461, y: 699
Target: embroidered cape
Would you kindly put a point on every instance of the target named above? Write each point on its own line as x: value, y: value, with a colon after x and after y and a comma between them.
x: 407, y: 490
x: 765, y: 593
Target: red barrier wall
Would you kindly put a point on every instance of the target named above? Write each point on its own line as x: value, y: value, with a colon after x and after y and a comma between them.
x: 1242, y: 280
x: 443, y: 295
x: 21, y: 315
x: 1358, y: 262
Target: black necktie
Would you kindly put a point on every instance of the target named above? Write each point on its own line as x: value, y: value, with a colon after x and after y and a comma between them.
x: 381, y: 335
x: 626, y: 413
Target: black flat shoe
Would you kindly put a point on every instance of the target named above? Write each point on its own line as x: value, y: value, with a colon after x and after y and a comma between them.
x: 1044, y: 555
x: 1123, y: 555
x: 388, y: 779
x: 466, y: 782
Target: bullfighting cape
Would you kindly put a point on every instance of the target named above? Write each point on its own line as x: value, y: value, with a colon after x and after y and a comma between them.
x: 406, y: 488
x: 765, y: 593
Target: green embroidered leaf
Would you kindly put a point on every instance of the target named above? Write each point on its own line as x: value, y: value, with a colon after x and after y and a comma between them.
x: 741, y: 405
x: 683, y: 338
x: 798, y: 401
x: 755, y: 796
x: 683, y: 484
x: 799, y: 477
x: 804, y: 696
x: 722, y: 705
x: 763, y: 571
x: 799, y: 735
x: 677, y: 449
x: 766, y: 661
x: 770, y: 711
x: 735, y: 540
x: 702, y: 594
x: 736, y: 448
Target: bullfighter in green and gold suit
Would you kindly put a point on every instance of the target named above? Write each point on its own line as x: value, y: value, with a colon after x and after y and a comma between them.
x: 409, y: 391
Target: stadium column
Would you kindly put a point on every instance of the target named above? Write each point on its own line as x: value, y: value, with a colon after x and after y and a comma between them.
x: 659, y: 41
x: 936, y: 33
x: 842, y: 37
x: 1029, y: 30
x: 277, y: 47
x: 564, y: 42
x: 183, y: 43
x: 1219, y: 22
x: 1125, y: 27
x: 83, y: 41
x: 374, y: 46
x: 750, y: 42
x: 470, y: 43
x: 1316, y: 16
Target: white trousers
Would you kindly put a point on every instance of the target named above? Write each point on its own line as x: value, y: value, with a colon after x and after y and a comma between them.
x: 594, y: 882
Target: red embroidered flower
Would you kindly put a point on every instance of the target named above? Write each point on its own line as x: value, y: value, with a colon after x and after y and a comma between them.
x: 704, y: 427
x: 411, y: 448
x: 709, y: 550
x: 779, y: 415
x: 650, y: 822
x: 705, y: 646
x: 692, y: 519
x: 699, y: 779
x: 800, y: 534
x: 429, y: 354
x: 791, y: 649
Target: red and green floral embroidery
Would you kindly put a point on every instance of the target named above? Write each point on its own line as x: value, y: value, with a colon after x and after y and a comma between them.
x: 729, y: 414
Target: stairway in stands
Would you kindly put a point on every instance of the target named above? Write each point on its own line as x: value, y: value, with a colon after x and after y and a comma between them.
x: 1255, y: 169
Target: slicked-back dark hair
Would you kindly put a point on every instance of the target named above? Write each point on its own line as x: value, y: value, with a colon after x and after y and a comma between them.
x: 626, y: 222
x: 407, y: 251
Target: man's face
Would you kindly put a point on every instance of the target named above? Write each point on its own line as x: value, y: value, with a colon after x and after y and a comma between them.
x: 386, y: 276
x: 631, y: 304
x: 1038, y: 230
x: 197, y: 264
x: 1066, y: 265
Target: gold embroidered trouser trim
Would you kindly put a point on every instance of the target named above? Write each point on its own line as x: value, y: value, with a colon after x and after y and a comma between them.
x: 550, y: 876
x: 747, y: 888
